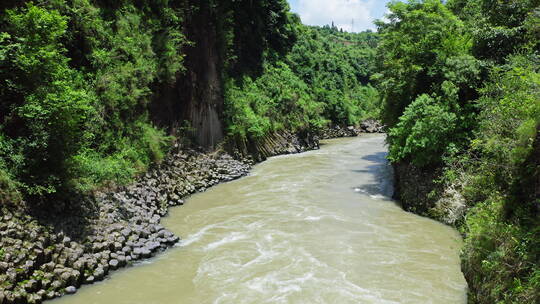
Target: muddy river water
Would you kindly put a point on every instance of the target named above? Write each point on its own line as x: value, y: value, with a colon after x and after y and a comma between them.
x: 317, y: 227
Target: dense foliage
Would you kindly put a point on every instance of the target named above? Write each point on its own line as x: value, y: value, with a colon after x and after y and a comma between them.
x: 325, y: 78
x: 79, y: 80
x: 503, y: 230
x: 460, y: 85
x: 276, y: 100
x: 426, y: 71
x: 75, y: 82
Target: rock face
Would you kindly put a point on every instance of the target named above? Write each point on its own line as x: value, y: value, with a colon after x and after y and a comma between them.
x: 338, y: 131
x: 371, y: 126
x: 197, y: 95
x: 418, y: 192
x: 273, y: 144
x: 413, y: 186
x: 201, y: 92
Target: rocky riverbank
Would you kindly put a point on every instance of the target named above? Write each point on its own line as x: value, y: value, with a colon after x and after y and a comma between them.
x: 418, y: 191
x: 367, y: 126
x: 43, y: 256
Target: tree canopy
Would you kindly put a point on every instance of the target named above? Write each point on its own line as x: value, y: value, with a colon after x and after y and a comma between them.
x: 459, y: 82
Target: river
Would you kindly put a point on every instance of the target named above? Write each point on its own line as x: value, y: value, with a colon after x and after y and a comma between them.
x: 317, y: 227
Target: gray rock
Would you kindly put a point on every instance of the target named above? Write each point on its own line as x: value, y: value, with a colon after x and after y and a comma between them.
x: 99, y: 273
x: 34, y: 299
x: 75, y: 276
x: 126, y: 250
x: 113, y: 263
x: 67, y: 278
x: 51, y: 294
x: 121, y: 260
x: 3, y: 267
x: 55, y: 285
x: 41, y: 293
x: 31, y: 285
x: 151, y: 246
x: 79, y: 265
x: 126, y: 232
x: 29, y: 264
x: 71, y: 289
x: 145, y: 252
x: 173, y: 239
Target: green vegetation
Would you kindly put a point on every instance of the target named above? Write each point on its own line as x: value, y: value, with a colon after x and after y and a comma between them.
x: 427, y: 72
x: 79, y: 81
x: 325, y: 78
x: 337, y: 67
x: 503, y: 230
x: 75, y: 83
x: 461, y: 91
x: 276, y: 100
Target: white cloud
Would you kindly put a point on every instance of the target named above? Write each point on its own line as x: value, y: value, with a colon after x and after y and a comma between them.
x: 341, y: 12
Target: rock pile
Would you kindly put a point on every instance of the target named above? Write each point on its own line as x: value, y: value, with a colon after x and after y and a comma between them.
x: 371, y: 126
x: 337, y: 132
x: 367, y: 126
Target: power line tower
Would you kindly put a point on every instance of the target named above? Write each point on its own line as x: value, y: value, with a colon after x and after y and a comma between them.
x: 352, y: 26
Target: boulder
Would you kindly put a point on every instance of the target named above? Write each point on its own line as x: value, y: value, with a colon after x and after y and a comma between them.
x: 113, y: 263
x: 71, y: 289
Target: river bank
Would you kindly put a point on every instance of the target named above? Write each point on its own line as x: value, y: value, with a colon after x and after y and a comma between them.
x: 45, y: 255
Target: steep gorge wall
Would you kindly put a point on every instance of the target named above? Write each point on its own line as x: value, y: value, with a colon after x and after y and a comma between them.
x: 197, y: 95
x: 202, y: 86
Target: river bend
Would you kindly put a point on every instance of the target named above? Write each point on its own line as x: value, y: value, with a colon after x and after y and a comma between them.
x: 317, y: 227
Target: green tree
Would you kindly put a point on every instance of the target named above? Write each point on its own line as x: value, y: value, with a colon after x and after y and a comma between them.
x: 47, y: 113
x: 420, y: 42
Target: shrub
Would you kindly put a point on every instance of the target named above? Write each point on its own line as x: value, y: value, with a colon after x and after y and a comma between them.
x: 424, y: 132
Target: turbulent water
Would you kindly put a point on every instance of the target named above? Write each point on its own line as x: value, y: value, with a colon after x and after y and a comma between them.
x: 317, y: 227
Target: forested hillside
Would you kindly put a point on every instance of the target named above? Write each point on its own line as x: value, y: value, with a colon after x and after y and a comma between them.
x: 93, y: 92
x: 321, y: 80
x: 461, y: 90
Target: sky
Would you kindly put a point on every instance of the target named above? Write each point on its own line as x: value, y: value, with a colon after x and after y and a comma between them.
x: 341, y: 12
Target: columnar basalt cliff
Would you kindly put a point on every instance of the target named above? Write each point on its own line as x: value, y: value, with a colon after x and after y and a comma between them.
x: 201, y: 89
x: 195, y: 100
x: 273, y: 144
